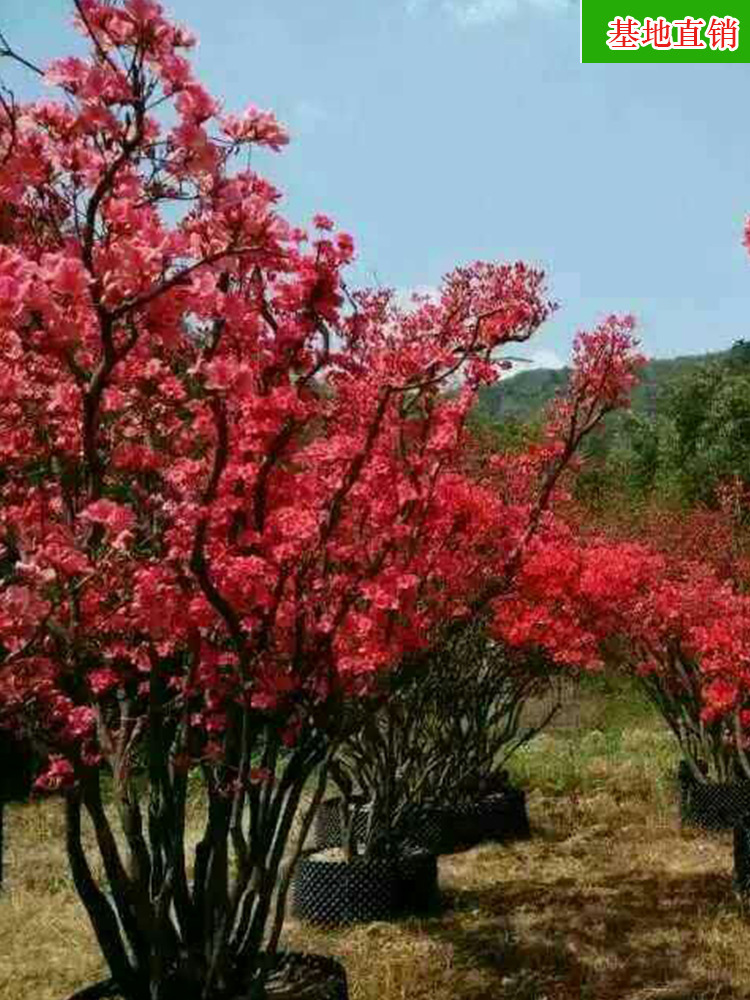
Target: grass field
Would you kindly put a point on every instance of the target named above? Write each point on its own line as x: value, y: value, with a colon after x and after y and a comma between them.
x: 610, y: 900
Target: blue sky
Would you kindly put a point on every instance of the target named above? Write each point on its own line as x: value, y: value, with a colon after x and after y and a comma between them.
x: 443, y: 131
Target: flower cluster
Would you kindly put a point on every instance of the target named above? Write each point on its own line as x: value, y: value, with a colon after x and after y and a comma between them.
x: 216, y: 471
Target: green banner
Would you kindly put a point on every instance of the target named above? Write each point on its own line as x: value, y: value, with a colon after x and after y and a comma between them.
x: 665, y: 31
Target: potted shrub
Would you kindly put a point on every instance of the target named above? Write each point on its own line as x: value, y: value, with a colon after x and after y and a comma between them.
x: 422, y: 775
x: 361, y: 867
x: 373, y: 833
x: 702, y: 710
x: 441, y: 749
x: 675, y: 624
x: 712, y: 777
x: 232, y: 497
x: 471, y: 704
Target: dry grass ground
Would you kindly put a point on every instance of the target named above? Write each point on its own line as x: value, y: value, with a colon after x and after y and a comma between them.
x: 608, y: 901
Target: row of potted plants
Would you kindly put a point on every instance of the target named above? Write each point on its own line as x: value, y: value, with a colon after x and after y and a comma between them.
x: 423, y: 775
x: 234, y: 498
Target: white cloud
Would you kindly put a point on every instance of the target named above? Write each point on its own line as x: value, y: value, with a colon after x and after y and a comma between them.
x: 473, y: 13
x: 526, y: 358
x: 539, y: 357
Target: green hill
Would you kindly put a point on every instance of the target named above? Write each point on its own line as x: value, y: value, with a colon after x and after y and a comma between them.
x: 524, y: 396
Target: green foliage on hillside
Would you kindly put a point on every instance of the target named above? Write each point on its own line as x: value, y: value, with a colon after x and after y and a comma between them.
x: 524, y: 396
x: 687, y: 432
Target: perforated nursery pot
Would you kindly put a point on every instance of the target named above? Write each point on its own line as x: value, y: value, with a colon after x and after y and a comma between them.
x: 501, y: 816
x: 509, y: 818
x: 742, y: 858
x: 297, y: 975
x: 326, y: 828
x: 498, y: 817
x: 293, y: 976
x: 712, y: 805
x: 424, y: 833
x: 331, y: 892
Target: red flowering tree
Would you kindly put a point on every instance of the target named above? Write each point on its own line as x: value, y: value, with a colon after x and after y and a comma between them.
x: 439, y: 728
x: 675, y: 622
x: 664, y: 592
x: 232, y: 492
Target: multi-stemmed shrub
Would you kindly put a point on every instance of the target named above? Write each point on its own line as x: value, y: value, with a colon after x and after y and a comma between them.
x: 232, y: 492
x: 440, y: 739
x: 673, y: 622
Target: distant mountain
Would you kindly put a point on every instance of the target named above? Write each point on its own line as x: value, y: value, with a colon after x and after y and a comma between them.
x: 524, y: 396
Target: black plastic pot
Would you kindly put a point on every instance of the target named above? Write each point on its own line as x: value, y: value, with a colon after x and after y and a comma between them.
x: 293, y: 975
x: 742, y: 858
x: 326, y: 828
x: 427, y: 832
x: 16, y: 768
x: 712, y: 805
x: 508, y: 818
x: 440, y: 829
x: 333, y: 892
x: 314, y: 977
x: 423, y: 834
x: 499, y: 817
